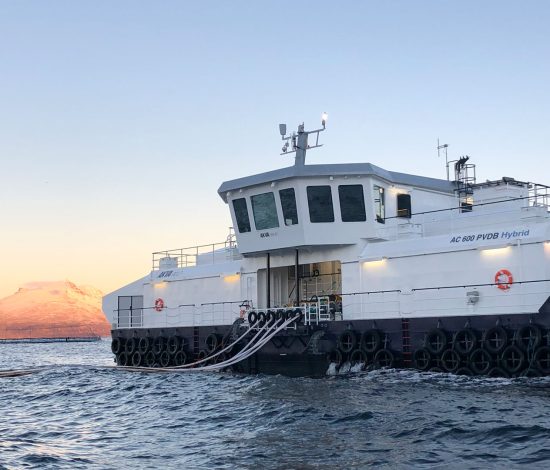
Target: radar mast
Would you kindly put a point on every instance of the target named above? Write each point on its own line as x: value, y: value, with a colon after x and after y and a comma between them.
x: 297, y: 142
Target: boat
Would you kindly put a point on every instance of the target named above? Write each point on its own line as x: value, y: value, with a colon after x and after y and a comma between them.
x: 336, y: 268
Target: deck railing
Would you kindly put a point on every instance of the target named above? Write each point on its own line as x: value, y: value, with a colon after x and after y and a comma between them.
x: 190, y: 256
x: 539, y: 196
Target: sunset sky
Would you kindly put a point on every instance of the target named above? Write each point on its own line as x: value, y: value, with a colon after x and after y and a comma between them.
x: 119, y: 120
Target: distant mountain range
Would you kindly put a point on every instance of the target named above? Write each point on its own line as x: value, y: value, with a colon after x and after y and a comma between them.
x: 53, y: 310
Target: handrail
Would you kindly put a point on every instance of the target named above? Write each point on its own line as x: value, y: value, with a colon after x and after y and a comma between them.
x: 458, y: 286
x: 188, y: 256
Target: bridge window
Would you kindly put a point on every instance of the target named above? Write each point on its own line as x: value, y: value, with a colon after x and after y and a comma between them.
x: 241, y: 214
x: 352, y: 203
x: 379, y: 204
x: 404, y: 205
x: 265, y: 211
x: 319, y: 199
x: 288, y: 203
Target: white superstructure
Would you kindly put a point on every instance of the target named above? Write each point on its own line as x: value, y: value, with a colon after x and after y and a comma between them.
x: 378, y: 244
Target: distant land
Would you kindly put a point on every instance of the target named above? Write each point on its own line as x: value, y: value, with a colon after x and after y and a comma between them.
x: 53, y: 310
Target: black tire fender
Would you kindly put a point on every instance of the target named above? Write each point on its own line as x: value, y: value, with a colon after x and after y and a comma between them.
x: 180, y: 358
x: 495, y: 339
x: 371, y: 341
x: 384, y: 358
x: 150, y: 359
x: 173, y: 344
x: 212, y: 342
x: 465, y: 341
x: 262, y: 318
x: 542, y: 359
x: 357, y: 355
x: 436, y: 341
x: 422, y: 359
x: 159, y: 345
x: 117, y: 345
x: 528, y: 337
x: 252, y: 317
x: 131, y: 346
x: 512, y: 359
x: 450, y: 360
x: 136, y: 359
x: 122, y: 359
x: 144, y: 345
x: 480, y: 361
x: 347, y: 340
x: 164, y: 359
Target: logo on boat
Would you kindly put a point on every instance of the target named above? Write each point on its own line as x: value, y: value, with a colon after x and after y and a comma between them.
x: 268, y: 234
x: 505, y: 235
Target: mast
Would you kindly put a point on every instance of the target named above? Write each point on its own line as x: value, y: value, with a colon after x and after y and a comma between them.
x: 299, y: 142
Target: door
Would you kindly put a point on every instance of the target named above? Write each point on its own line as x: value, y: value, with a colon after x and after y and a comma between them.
x: 130, y: 311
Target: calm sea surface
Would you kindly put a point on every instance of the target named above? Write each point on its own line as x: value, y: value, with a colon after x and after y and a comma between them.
x: 75, y: 413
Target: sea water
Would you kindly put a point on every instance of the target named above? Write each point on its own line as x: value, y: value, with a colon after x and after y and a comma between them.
x: 76, y: 412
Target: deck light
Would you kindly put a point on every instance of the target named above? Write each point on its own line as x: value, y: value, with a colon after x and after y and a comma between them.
x: 324, y: 118
x: 375, y: 262
x: 489, y: 251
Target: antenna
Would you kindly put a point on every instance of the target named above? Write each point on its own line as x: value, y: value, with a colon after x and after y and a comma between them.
x: 299, y: 140
x: 439, y: 149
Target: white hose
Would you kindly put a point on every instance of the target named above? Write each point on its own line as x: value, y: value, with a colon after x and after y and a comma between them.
x: 246, y: 352
x: 241, y: 355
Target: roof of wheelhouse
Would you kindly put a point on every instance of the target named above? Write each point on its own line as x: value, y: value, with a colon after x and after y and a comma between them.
x: 341, y: 169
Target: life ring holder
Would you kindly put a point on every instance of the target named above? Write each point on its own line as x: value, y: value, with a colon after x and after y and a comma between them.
x: 159, y: 304
x: 504, y: 284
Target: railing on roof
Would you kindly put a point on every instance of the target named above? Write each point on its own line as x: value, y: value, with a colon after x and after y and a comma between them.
x: 539, y: 195
x: 440, y: 221
x: 189, y: 256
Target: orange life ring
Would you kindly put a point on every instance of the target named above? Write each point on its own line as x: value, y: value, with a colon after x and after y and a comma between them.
x: 159, y: 304
x: 504, y: 279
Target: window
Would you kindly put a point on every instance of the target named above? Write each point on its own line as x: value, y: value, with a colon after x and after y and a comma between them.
x: 130, y: 311
x: 288, y: 203
x: 319, y: 199
x: 241, y: 214
x: 352, y: 203
x: 467, y: 204
x: 404, y: 205
x: 379, y: 206
x: 265, y: 212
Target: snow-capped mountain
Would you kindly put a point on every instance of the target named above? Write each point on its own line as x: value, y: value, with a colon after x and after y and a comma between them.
x: 53, y: 309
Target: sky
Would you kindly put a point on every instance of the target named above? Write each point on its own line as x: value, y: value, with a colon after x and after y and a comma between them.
x: 119, y: 120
